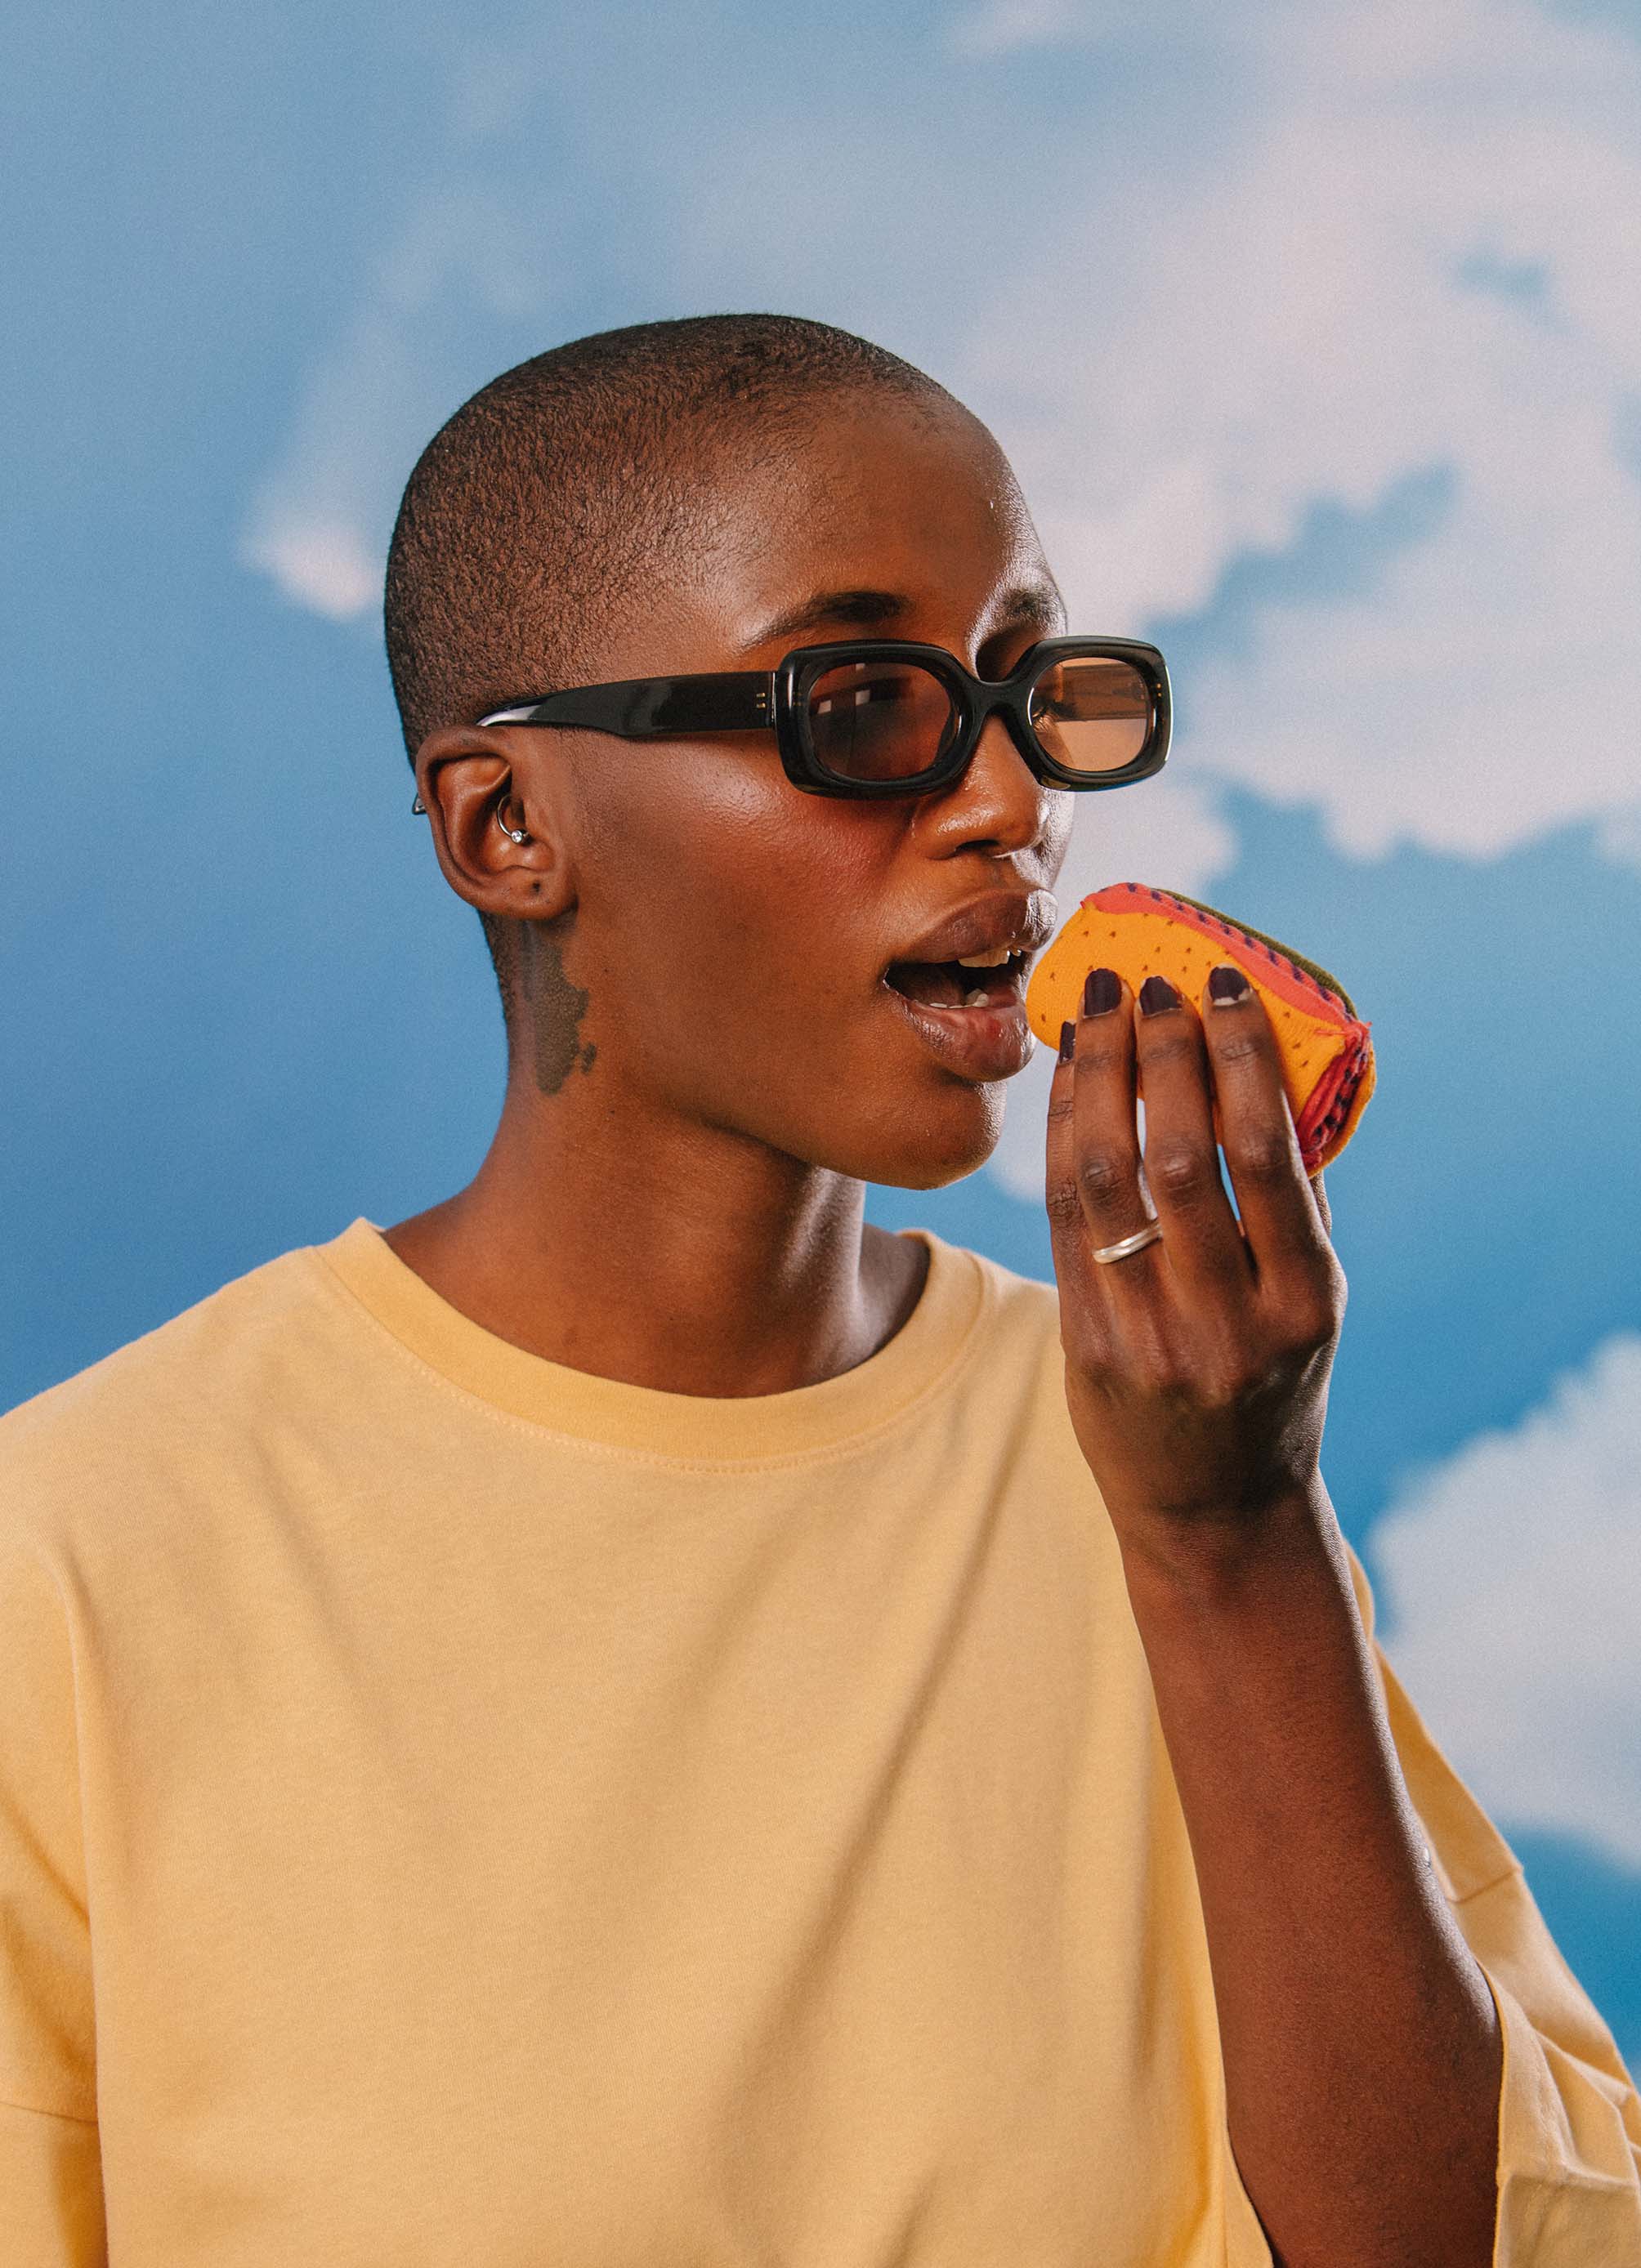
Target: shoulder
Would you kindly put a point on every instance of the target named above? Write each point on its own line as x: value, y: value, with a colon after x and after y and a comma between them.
x: 89, y: 1448
x: 1015, y: 1318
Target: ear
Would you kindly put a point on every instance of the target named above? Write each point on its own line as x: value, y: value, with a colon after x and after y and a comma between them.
x: 477, y: 785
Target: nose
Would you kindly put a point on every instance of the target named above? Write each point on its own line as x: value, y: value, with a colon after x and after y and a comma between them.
x: 997, y: 799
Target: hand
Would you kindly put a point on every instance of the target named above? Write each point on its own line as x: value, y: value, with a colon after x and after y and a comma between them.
x: 1197, y: 1369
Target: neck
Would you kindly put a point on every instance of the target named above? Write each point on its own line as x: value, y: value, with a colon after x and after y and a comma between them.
x: 680, y: 1256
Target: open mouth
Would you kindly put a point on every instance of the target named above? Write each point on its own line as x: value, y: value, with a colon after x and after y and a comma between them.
x: 955, y: 984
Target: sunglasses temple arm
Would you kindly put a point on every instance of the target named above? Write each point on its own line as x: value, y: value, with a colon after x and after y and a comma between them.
x: 637, y: 708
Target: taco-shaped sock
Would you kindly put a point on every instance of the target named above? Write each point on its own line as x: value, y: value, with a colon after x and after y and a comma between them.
x: 1327, y: 1053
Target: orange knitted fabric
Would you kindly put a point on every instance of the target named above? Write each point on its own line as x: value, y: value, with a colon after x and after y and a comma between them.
x: 1327, y: 1055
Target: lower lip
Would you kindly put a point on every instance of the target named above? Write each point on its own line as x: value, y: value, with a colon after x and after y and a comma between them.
x: 979, y: 1043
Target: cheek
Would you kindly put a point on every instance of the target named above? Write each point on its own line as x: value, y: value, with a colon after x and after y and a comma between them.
x: 743, y: 882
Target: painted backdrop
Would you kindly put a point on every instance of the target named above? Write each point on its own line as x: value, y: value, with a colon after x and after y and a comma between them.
x: 1315, y: 335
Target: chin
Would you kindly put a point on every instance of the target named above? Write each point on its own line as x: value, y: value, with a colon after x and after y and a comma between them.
x: 933, y: 1146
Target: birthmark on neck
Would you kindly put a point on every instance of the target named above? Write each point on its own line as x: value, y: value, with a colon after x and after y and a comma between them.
x: 557, y: 1007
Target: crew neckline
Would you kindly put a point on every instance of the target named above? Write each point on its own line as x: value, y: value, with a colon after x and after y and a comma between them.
x: 759, y: 1428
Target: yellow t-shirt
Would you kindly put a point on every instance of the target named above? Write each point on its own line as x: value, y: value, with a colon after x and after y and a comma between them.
x: 453, y: 1807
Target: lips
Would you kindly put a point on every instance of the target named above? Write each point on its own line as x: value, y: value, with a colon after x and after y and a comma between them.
x: 1023, y: 921
x: 989, y: 1042
x: 990, y: 1038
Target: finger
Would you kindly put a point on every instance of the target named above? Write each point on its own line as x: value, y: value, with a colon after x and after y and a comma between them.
x: 1201, y: 1236
x: 1279, y: 1209
x: 1322, y: 1205
x: 1104, y: 1133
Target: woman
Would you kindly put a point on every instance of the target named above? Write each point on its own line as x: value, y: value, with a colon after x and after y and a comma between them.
x: 633, y: 1718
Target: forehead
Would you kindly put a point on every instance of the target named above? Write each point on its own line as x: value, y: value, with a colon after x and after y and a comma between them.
x: 874, y: 495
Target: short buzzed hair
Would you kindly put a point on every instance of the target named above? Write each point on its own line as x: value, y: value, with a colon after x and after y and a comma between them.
x: 563, y: 483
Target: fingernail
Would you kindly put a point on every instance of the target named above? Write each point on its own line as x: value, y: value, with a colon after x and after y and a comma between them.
x: 1227, y: 983
x: 1156, y: 994
x: 1068, y: 1041
x: 1101, y: 991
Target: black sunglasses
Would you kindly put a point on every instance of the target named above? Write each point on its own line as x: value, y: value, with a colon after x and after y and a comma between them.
x: 878, y: 716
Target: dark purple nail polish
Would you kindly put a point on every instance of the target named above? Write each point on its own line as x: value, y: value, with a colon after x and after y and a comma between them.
x: 1101, y: 991
x: 1068, y: 1041
x: 1156, y: 994
x: 1227, y: 983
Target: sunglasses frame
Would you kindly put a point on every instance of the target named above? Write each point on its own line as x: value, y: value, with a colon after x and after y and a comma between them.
x: 650, y: 708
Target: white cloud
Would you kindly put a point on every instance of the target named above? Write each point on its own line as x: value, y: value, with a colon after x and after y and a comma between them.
x: 320, y: 518
x: 1310, y: 316
x: 320, y: 563
x: 1618, y: 838
x: 1000, y: 27
x: 1508, y: 1580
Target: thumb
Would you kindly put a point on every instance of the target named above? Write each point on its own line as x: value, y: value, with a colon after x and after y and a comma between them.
x: 1322, y: 1205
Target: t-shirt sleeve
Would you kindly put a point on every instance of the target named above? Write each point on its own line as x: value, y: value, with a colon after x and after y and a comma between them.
x: 51, y: 2199
x: 1569, y: 2116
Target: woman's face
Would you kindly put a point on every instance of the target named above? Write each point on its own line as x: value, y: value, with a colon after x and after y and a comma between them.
x: 733, y: 934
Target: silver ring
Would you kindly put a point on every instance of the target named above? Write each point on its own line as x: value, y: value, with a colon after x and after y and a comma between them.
x: 1137, y: 1243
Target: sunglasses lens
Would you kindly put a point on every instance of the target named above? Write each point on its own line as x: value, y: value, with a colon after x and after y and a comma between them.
x: 880, y: 720
x: 1092, y: 714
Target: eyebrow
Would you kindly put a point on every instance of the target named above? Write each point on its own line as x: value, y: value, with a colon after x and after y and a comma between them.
x: 866, y: 610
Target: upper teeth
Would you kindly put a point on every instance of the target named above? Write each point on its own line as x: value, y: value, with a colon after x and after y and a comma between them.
x: 985, y: 959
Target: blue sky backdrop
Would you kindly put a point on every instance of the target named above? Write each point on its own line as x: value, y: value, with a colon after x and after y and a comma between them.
x: 1315, y: 336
